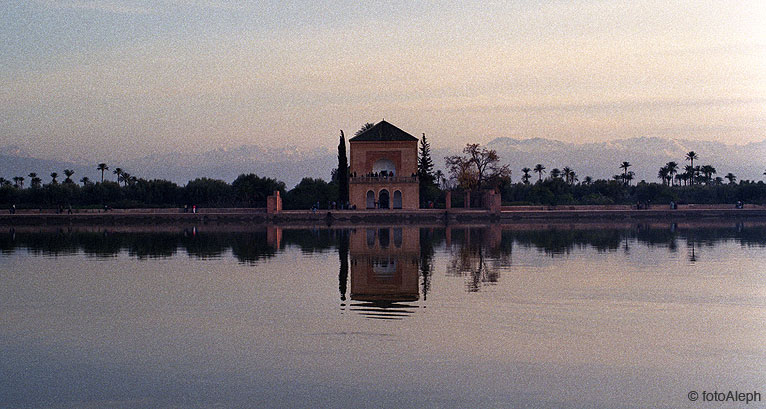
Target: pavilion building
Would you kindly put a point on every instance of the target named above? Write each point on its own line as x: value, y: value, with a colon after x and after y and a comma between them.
x: 383, y: 169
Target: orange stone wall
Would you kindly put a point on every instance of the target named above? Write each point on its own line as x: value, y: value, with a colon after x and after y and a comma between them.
x: 404, y: 155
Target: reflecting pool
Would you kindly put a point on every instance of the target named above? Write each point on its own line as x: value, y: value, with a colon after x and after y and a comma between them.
x: 565, y: 315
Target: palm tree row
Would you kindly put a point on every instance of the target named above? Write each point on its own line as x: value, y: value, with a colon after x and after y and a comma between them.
x: 567, y: 173
x: 36, y: 182
x: 692, y: 174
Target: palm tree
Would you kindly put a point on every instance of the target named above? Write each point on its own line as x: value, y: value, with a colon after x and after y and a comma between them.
x: 718, y: 180
x: 123, y: 177
x: 672, y: 170
x: 588, y: 180
x: 573, y: 177
x: 34, y: 181
x: 708, y: 171
x: 102, y: 167
x: 567, y: 171
x: 68, y: 173
x: 18, y: 182
x: 628, y: 177
x: 118, y: 172
x: 688, y: 175
x: 555, y: 173
x: 54, y: 175
x: 539, y: 169
x: 85, y: 181
x: 624, y: 166
x: 526, y: 176
x: 662, y: 174
x: 690, y: 156
x: 731, y: 178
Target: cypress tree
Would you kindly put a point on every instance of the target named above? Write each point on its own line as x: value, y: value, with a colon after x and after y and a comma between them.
x: 425, y: 163
x: 342, y: 171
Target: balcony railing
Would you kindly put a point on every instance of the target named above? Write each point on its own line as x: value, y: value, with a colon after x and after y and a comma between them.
x: 383, y: 179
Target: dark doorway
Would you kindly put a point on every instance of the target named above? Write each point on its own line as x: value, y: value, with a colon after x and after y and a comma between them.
x: 383, y: 199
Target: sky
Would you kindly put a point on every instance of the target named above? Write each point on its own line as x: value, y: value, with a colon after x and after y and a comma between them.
x: 97, y: 80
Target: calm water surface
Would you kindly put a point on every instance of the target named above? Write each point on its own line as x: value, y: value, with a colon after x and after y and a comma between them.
x: 384, y: 316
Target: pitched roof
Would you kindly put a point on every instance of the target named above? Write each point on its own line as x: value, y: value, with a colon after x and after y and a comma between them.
x: 383, y: 131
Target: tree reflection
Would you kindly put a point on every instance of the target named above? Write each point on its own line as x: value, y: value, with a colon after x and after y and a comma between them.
x: 477, y: 252
x: 479, y: 256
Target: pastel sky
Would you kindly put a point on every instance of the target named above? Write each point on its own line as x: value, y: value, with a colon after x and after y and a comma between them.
x: 109, y: 79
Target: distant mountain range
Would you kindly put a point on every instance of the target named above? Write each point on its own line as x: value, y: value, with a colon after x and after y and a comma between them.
x: 291, y: 164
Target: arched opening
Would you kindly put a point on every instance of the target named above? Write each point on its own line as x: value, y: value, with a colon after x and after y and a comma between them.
x: 397, y: 200
x: 384, y: 268
x: 370, y: 238
x: 384, y: 238
x: 383, y: 199
x: 398, y: 237
x: 384, y: 165
x: 370, y: 199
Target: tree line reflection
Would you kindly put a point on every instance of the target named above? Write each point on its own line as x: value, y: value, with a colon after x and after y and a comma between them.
x: 389, y: 268
x: 495, y: 242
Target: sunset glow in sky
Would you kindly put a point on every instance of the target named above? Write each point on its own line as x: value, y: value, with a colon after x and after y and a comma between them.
x: 84, y: 78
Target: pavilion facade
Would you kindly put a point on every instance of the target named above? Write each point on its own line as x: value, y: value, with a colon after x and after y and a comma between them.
x: 383, y: 169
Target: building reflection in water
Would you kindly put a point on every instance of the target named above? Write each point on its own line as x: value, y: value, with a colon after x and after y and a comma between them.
x: 384, y: 271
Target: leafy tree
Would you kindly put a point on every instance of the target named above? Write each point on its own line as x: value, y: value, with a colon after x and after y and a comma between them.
x: 342, y: 170
x: 209, y: 192
x: 480, y: 167
x: 252, y: 190
x: 730, y: 176
x: 310, y: 191
x: 54, y: 175
x: 85, y: 181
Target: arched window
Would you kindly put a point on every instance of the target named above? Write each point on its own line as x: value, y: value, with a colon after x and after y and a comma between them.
x: 370, y: 199
x: 398, y: 237
x: 370, y: 238
x: 383, y: 238
x: 397, y: 200
x: 384, y: 165
x: 383, y: 199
